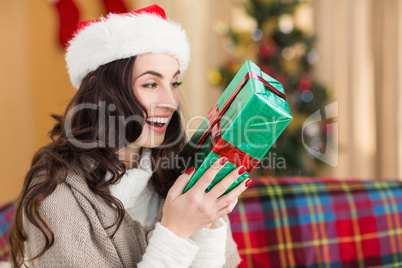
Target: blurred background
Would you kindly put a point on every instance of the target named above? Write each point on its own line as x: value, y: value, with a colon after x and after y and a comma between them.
x: 338, y: 60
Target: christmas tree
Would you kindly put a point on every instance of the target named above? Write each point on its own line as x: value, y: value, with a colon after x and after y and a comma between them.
x: 286, y: 52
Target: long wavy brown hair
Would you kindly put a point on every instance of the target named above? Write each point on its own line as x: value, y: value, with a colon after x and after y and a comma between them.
x: 111, y: 85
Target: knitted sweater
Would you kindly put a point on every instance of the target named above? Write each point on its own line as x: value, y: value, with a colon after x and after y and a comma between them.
x: 80, y: 220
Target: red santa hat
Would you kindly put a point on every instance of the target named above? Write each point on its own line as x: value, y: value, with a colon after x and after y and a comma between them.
x: 119, y: 36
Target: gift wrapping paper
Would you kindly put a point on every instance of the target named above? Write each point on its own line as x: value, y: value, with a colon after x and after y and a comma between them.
x: 243, y: 125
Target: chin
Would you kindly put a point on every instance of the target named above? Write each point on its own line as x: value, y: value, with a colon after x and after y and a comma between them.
x: 154, y: 142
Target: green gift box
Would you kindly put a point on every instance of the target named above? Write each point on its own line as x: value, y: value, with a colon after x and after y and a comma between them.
x: 242, y: 126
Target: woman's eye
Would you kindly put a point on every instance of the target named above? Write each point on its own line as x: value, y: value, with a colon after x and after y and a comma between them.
x: 150, y: 85
x: 175, y: 84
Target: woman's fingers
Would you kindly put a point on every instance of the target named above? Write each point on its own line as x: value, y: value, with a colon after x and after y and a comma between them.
x: 185, y: 214
x: 209, y: 175
x: 231, y: 197
x: 226, y: 182
x: 181, y: 182
x: 227, y: 209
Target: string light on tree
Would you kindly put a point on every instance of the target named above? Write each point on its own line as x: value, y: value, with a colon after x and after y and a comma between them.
x: 286, y: 23
x: 257, y: 35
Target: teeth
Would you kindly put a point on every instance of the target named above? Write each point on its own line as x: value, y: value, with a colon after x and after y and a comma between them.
x: 162, y: 120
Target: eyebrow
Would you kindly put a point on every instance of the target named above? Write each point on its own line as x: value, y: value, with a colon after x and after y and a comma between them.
x: 159, y: 75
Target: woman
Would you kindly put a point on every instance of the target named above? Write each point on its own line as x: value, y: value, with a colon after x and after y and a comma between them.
x: 100, y: 194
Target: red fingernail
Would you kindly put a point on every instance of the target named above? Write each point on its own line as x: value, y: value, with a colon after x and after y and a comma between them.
x: 189, y: 170
x: 242, y: 170
x: 248, y: 182
x: 223, y: 161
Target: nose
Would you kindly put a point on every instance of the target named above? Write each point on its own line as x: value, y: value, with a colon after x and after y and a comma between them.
x: 169, y: 98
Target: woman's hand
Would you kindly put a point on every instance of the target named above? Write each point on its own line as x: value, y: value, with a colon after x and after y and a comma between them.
x: 185, y: 214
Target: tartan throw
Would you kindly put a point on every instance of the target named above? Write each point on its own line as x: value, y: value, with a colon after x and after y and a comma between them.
x: 314, y: 222
x: 6, y: 217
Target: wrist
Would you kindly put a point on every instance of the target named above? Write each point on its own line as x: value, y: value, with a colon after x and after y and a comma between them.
x: 180, y: 232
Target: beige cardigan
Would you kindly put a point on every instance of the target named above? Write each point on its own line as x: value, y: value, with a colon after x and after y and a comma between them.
x: 79, y: 220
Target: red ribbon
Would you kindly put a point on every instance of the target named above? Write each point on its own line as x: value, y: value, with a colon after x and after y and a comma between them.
x: 218, y: 144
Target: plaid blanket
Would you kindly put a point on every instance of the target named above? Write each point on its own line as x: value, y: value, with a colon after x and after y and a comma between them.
x: 312, y: 222
x: 6, y: 217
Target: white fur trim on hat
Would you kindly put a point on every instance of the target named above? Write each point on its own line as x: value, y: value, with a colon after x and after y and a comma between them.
x: 124, y: 36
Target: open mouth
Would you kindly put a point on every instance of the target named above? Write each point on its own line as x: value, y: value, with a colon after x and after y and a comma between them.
x: 157, y: 121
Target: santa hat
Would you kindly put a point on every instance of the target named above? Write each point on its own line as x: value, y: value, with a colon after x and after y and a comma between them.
x: 120, y: 36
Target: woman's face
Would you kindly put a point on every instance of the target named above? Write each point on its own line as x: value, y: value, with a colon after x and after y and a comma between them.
x: 156, y: 85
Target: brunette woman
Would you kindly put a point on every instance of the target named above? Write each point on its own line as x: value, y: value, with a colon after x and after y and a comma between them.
x: 107, y: 191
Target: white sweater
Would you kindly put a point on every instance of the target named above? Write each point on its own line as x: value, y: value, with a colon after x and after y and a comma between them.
x: 205, y: 248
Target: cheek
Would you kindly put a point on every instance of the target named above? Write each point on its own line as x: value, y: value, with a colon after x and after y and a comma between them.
x: 144, y: 100
x: 177, y: 97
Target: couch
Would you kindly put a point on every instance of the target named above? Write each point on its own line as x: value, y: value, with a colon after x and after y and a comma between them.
x: 308, y: 222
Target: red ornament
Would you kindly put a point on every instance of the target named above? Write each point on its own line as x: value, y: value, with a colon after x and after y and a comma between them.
x: 305, y: 84
x: 69, y: 17
x: 267, y: 49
